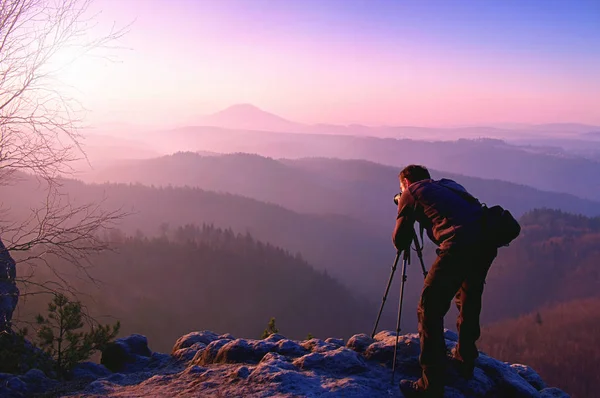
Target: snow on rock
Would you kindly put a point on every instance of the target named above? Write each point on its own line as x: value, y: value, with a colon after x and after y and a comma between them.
x: 382, y: 349
x: 553, y: 393
x: 317, y: 345
x: 205, y: 338
x: 338, y: 342
x: 359, y: 342
x: 290, y: 348
x: 90, y: 370
x: 339, y: 361
x: 530, y: 375
x: 242, y: 351
x: 275, y: 337
x: 30, y: 383
x: 206, y: 364
x: 507, y: 379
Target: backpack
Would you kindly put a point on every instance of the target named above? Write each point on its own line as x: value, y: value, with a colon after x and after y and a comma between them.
x: 499, y: 225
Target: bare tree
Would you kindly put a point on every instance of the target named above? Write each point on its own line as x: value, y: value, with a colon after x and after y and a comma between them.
x: 39, y: 129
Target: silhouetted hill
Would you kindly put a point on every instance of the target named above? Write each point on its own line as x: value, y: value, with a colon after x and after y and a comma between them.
x: 356, y: 253
x: 559, y: 342
x: 356, y: 188
x: 484, y: 158
x: 197, y: 278
x: 536, y: 269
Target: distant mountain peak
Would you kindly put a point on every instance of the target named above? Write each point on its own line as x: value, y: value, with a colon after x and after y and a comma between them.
x: 249, y: 117
x: 242, y: 107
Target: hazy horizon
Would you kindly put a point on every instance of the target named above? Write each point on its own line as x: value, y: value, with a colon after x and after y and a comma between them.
x: 200, y: 120
x: 345, y: 62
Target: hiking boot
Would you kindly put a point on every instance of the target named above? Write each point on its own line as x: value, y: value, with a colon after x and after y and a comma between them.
x: 415, y: 389
x: 465, y: 368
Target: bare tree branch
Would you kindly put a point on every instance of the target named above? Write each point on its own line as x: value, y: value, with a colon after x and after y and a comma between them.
x: 39, y: 135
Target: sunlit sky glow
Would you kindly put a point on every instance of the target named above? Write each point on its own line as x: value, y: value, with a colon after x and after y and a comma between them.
x: 376, y: 62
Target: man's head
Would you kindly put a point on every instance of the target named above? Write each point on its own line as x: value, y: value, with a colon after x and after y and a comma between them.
x: 411, y: 174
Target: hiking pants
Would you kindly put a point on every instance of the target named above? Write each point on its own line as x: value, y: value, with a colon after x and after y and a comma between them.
x: 458, y: 273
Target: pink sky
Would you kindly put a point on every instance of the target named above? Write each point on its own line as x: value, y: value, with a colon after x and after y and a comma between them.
x: 336, y: 62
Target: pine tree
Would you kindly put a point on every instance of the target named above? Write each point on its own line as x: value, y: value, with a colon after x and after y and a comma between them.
x: 271, y: 328
x: 59, y: 336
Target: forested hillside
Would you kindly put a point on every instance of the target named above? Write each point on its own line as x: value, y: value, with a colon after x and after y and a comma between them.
x: 554, y: 260
x: 207, y: 278
x: 559, y: 342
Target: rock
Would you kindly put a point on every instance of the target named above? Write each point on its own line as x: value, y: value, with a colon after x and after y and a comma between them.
x: 208, y: 355
x: 359, y: 342
x: 383, y: 350
x: 277, y: 360
x: 116, y: 378
x: 274, y: 369
x: 37, y: 381
x: 508, y: 381
x: 379, y: 351
x: 275, y: 337
x: 204, y: 337
x: 385, y: 335
x: 318, y: 345
x: 90, y: 370
x: 530, y: 375
x: 35, y: 374
x: 6, y: 393
x: 479, y: 386
x: 450, y: 392
x: 188, y: 353
x: 553, y: 393
x: 290, y: 348
x: 9, y: 293
x: 337, y: 342
x: 23, y: 355
x: 242, y: 351
x: 277, y: 366
x: 158, y: 360
x: 127, y: 354
x: 115, y: 356
x: 99, y: 387
x: 194, y: 369
x: 240, y: 373
x: 226, y: 336
x: 137, y: 344
x: 16, y: 384
x: 340, y: 361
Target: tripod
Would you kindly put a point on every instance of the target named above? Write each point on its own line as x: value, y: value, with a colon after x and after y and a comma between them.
x: 405, y: 262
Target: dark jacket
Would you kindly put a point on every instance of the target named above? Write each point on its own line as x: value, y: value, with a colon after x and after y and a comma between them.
x: 450, y: 219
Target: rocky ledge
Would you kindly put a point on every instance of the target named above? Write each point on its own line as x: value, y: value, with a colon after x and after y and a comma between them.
x: 207, y: 364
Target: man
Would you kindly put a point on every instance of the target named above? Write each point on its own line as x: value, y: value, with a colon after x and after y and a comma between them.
x: 453, y: 221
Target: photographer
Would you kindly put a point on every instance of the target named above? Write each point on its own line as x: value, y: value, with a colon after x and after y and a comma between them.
x: 453, y: 221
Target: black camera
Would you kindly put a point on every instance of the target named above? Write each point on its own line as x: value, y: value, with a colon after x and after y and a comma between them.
x: 397, y: 197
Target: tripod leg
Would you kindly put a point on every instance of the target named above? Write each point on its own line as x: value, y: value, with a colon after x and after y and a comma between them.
x: 386, y: 293
x: 419, y: 253
x: 404, y: 266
